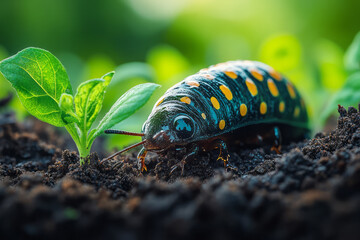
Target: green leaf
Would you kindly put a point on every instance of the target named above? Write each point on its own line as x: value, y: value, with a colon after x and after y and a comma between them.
x: 349, y: 95
x: 107, y: 77
x: 88, y: 101
x: 39, y: 79
x: 352, y: 56
x: 125, y: 106
x: 66, y: 105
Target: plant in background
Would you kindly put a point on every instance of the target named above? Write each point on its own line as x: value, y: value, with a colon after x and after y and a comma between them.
x: 43, y: 87
x: 349, y: 94
x: 322, y: 77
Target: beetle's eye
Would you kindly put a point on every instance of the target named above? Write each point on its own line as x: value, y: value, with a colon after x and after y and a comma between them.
x: 184, y: 127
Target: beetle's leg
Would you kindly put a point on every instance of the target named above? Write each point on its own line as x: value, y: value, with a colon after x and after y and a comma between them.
x: 277, y: 141
x: 193, y: 151
x: 224, y: 154
x: 141, y: 159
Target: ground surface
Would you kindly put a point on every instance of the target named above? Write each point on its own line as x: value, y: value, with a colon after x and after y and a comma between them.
x: 310, y: 191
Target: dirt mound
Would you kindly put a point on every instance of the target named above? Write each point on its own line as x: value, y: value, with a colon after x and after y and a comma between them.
x: 310, y: 191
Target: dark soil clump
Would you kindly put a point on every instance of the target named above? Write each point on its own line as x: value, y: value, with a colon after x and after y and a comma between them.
x: 310, y: 191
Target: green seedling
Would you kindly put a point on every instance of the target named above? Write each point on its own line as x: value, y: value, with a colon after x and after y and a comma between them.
x: 44, y: 89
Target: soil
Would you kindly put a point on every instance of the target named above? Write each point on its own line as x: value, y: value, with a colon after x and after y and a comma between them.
x: 309, y: 191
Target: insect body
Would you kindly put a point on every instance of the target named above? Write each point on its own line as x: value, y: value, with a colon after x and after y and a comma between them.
x: 232, y: 103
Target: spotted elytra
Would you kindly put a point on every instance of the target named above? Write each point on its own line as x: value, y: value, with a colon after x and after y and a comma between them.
x: 231, y: 103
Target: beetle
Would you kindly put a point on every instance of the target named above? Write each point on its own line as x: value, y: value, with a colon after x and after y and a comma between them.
x: 236, y: 103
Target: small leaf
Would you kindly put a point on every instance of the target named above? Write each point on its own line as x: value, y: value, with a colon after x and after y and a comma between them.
x: 125, y: 106
x: 349, y: 95
x: 39, y: 79
x: 107, y: 77
x: 66, y: 105
x: 88, y: 101
x: 352, y: 56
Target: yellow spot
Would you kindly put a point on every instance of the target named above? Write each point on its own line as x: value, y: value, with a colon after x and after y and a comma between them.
x: 296, y: 112
x: 215, y: 103
x: 282, y: 106
x: 231, y: 74
x: 275, y: 74
x: 208, y: 76
x: 226, y: 91
x: 193, y: 83
x: 243, y: 109
x: 272, y: 87
x: 263, y: 108
x: 159, y: 101
x: 203, y: 115
x: 291, y: 90
x: 204, y: 70
x: 185, y: 100
x: 257, y: 74
x: 222, y: 124
x: 251, y: 87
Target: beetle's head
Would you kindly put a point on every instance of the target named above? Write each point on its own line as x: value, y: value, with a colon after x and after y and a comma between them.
x: 166, y: 127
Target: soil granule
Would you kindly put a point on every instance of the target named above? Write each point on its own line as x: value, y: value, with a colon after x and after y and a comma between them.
x: 310, y: 191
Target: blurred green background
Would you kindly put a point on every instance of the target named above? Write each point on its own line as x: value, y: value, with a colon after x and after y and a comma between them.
x: 164, y: 41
